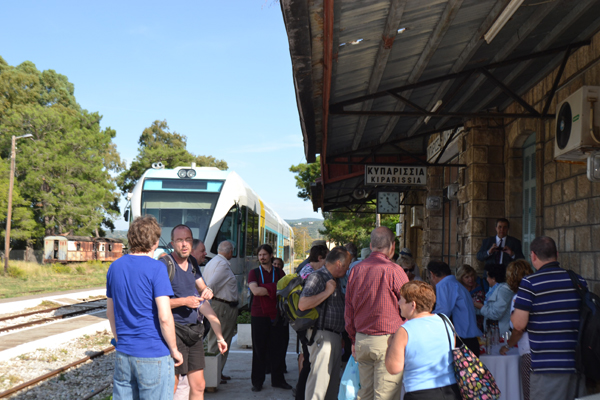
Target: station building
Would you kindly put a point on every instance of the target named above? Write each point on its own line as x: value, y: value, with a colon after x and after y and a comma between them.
x: 471, y: 90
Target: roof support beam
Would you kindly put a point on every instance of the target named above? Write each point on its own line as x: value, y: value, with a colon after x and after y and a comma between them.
x: 592, y: 29
x: 383, y: 53
x: 522, y: 33
x: 576, y: 12
x: 465, y: 56
x: 432, y: 81
x: 442, y: 114
x: 509, y: 92
x: 430, y: 48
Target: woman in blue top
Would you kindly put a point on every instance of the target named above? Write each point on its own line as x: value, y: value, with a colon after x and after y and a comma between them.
x: 496, y: 306
x: 419, y: 348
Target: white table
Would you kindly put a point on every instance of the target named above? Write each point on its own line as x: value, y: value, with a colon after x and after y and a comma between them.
x: 506, y: 371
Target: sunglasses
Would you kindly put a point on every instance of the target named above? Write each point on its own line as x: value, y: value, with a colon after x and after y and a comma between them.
x: 409, y: 270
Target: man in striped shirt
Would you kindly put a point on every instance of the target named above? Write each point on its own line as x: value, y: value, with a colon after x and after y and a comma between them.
x: 372, y: 315
x: 547, y: 305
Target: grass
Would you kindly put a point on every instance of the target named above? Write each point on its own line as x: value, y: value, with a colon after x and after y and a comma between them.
x: 26, y: 278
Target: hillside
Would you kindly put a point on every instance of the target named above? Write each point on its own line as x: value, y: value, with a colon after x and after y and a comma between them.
x: 312, y: 224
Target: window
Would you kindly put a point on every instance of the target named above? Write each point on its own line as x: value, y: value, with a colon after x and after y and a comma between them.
x: 286, y: 250
x: 78, y: 246
x: 251, y: 233
x: 228, y: 231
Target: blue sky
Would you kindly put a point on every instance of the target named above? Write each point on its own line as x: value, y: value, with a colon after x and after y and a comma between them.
x: 218, y: 72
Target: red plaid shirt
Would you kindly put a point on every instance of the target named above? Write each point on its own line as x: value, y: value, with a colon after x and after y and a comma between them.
x: 372, y: 297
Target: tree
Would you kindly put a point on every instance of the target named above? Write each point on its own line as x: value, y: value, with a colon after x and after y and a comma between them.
x: 156, y: 144
x: 341, y: 227
x: 23, y: 224
x: 65, y: 174
x: 306, y: 174
x: 302, y: 241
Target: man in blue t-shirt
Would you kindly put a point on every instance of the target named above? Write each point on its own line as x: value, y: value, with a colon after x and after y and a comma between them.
x: 189, y: 307
x: 138, y: 309
x: 454, y: 301
x: 547, y: 305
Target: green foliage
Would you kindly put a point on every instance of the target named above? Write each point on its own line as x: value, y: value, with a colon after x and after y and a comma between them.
x: 341, y: 227
x: 302, y: 241
x: 61, y: 269
x: 66, y: 174
x: 244, y: 317
x: 81, y: 270
x: 307, y: 174
x: 16, y: 272
x: 156, y: 144
x: 23, y: 224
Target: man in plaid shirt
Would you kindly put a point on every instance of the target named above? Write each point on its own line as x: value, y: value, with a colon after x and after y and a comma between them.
x: 373, y: 315
x: 322, y: 289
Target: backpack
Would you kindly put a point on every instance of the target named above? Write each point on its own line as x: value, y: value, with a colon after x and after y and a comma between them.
x: 289, y: 289
x: 587, y: 352
x: 170, y: 263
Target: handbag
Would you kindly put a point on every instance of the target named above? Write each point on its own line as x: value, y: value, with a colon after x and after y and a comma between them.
x: 189, y: 334
x: 474, y: 380
x: 350, y: 382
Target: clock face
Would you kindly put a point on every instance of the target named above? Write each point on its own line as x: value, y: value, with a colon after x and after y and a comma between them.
x: 388, y: 203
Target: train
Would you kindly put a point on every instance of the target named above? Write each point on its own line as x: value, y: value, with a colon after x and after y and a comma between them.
x: 64, y: 249
x: 216, y: 205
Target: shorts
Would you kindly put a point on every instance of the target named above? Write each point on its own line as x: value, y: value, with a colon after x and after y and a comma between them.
x: 193, y: 357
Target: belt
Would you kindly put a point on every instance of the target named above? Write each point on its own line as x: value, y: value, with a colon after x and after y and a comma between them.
x: 328, y: 330
x: 231, y: 303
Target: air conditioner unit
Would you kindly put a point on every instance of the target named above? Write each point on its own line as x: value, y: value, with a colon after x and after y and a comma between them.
x: 578, y: 125
x: 416, y: 217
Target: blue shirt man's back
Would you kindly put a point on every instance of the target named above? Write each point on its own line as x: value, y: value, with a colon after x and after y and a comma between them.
x: 133, y: 282
x: 453, y: 300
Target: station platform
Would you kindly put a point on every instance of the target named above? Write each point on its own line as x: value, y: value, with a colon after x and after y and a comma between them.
x: 239, y: 367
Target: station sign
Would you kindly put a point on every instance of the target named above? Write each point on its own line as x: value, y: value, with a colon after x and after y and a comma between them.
x: 400, y: 175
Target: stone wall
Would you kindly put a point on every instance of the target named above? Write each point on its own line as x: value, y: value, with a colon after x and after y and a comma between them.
x: 481, y: 193
x: 568, y: 205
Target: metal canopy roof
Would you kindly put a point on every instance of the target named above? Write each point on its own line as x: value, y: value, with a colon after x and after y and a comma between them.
x: 368, y: 72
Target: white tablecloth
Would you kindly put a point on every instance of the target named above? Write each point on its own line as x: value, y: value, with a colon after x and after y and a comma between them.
x: 506, y: 371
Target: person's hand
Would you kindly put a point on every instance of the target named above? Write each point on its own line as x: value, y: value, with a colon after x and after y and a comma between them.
x: 353, y: 353
x: 504, y: 350
x: 206, y: 294
x: 493, y: 249
x: 192, y: 301
x: 508, y: 251
x: 330, y: 286
x: 177, y: 357
x: 222, y: 344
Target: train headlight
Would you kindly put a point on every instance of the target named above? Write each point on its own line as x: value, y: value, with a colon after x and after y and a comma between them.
x: 182, y: 173
x: 191, y: 173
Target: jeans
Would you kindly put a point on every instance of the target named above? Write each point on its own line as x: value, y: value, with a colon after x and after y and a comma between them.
x: 143, y: 378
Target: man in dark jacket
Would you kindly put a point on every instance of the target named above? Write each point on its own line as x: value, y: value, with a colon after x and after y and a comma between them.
x: 500, y: 249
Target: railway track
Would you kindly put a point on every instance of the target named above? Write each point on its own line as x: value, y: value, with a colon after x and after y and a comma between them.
x: 61, y: 370
x: 48, y: 319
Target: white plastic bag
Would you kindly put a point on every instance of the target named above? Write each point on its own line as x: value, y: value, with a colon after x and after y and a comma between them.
x: 350, y: 381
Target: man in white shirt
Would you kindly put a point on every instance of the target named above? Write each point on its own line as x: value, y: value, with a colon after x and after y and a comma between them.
x: 220, y: 278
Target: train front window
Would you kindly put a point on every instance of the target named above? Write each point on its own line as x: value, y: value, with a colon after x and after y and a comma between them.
x: 228, y: 231
x: 171, y: 208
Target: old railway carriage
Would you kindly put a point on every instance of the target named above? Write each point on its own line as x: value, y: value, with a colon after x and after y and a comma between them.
x: 217, y: 205
x: 64, y: 249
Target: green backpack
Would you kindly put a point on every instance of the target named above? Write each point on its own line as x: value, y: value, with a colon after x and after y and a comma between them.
x: 289, y: 289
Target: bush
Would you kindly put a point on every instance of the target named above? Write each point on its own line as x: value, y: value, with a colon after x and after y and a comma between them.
x: 61, y: 269
x: 81, y: 270
x: 243, y: 318
x: 16, y: 272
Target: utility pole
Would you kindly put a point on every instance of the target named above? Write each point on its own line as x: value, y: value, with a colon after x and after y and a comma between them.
x: 10, y: 192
